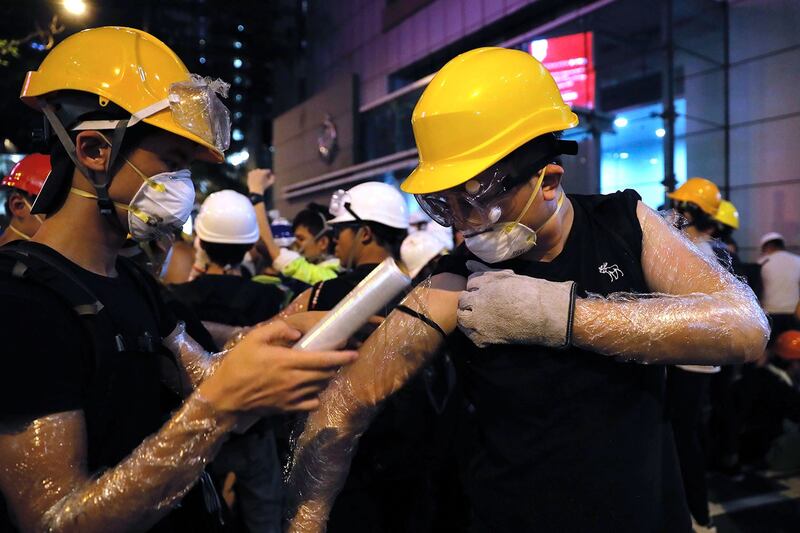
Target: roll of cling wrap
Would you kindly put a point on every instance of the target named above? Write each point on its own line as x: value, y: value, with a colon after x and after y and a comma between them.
x: 368, y: 298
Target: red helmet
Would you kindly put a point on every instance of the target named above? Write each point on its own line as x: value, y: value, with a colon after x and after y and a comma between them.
x: 29, y: 174
x: 787, y: 345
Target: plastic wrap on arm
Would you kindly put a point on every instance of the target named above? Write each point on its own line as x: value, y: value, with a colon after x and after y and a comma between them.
x: 196, y: 362
x: 44, y: 479
x: 699, y: 313
x: 389, y: 358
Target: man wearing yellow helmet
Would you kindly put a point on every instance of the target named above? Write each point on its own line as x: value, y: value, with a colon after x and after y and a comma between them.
x: 569, y: 438
x: 86, y: 439
x: 697, y: 202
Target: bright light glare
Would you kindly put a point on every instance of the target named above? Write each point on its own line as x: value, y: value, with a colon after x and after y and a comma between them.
x: 75, y: 7
x: 624, y: 155
x: 620, y: 122
x: 660, y: 132
x: 237, y: 63
x: 237, y: 158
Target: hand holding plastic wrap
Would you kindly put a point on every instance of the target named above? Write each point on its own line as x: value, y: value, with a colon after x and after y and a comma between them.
x: 44, y: 479
x: 43, y: 463
x: 698, y: 313
x: 391, y: 356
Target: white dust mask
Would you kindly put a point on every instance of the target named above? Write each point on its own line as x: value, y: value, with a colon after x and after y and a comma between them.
x: 507, y: 240
x: 161, y: 206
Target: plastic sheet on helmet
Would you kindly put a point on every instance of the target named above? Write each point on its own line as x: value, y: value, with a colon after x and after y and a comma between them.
x: 196, y: 107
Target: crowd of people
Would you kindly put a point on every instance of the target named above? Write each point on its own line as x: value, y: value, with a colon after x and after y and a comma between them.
x: 562, y: 363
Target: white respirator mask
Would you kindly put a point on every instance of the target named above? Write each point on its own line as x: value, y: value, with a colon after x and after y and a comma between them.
x: 161, y: 206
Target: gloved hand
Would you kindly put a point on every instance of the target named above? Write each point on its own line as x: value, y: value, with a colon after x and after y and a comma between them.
x: 500, y: 307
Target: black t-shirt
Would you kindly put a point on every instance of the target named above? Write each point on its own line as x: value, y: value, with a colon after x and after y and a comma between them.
x: 51, y: 362
x: 232, y: 300
x: 570, y: 440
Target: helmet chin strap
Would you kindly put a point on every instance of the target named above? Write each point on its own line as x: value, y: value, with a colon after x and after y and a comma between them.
x: 104, y: 202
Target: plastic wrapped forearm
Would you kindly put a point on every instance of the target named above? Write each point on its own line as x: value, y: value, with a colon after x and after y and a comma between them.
x: 48, y: 488
x: 196, y: 362
x: 391, y: 355
x: 699, y: 313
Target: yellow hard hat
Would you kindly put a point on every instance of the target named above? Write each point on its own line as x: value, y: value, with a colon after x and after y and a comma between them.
x: 480, y: 107
x: 727, y: 214
x: 701, y: 192
x: 138, y: 73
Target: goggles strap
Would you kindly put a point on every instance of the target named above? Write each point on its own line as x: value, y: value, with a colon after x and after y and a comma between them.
x: 349, y: 209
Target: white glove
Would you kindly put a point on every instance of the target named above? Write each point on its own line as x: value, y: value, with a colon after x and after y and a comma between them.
x: 500, y: 307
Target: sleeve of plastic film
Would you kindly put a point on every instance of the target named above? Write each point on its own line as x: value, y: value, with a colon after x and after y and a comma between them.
x: 390, y: 357
x: 47, y: 488
x: 196, y: 362
x: 698, y: 313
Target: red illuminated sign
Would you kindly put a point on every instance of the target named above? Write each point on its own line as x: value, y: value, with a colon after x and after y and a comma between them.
x: 569, y: 59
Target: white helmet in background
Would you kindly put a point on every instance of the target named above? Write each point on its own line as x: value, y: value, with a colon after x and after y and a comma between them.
x: 227, y: 217
x: 372, y: 201
x: 418, y: 249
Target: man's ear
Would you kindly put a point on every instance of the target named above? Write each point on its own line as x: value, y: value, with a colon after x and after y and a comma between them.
x: 366, y: 234
x: 552, y: 180
x: 92, y: 150
x: 324, y: 242
x: 16, y: 203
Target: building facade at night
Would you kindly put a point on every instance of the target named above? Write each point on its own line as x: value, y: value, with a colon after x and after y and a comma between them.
x: 664, y: 90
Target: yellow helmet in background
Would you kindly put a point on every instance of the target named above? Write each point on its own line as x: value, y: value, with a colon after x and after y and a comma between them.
x: 701, y: 192
x: 140, y: 74
x: 727, y: 214
x: 480, y: 107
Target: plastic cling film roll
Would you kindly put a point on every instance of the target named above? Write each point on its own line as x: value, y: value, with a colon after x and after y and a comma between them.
x: 376, y: 291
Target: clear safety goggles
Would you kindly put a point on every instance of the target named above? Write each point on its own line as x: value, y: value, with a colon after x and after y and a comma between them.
x: 488, y: 197
x: 194, y: 106
x: 340, y: 206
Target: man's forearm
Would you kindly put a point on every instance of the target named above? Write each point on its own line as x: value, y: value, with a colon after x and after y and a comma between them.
x: 196, y: 362
x: 723, y: 327
x: 392, y: 354
x: 323, y: 455
x: 141, y: 489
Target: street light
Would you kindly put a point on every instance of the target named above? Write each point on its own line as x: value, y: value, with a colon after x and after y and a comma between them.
x: 75, y: 7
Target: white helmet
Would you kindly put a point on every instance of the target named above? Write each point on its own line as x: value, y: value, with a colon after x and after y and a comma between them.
x: 418, y: 249
x: 372, y: 201
x: 227, y: 217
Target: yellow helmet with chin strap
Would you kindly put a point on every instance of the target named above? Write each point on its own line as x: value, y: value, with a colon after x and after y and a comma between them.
x: 138, y: 73
x: 480, y: 107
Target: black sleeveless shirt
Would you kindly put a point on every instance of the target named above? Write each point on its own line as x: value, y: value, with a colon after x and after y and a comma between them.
x: 570, y: 440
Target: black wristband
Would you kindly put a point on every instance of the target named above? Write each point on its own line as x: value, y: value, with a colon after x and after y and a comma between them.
x: 255, y: 198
